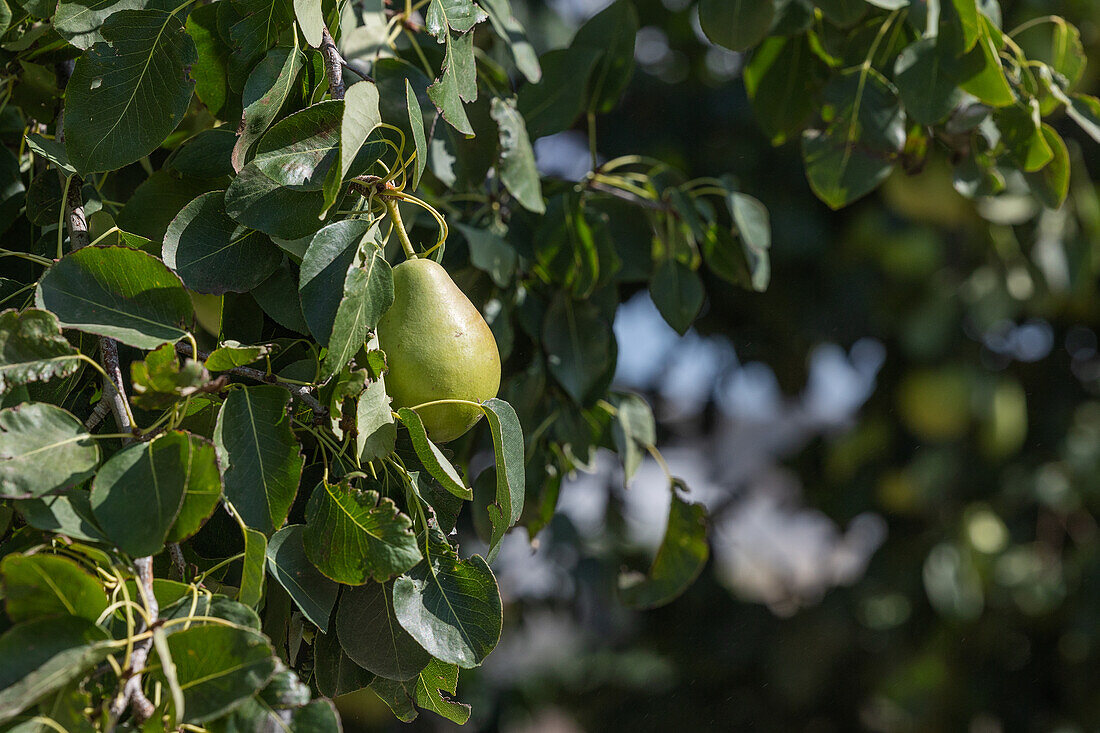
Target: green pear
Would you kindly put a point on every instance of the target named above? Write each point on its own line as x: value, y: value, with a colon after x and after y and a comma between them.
x: 438, y: 348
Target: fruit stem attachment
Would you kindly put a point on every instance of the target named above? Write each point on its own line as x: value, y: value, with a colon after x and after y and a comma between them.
x: 395, y: 217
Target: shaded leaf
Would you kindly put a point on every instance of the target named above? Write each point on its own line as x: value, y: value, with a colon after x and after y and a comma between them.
x: 368, y: 294
x: 214, y: 254
x: 783, y: 80
x: 426, y: 691
x: 678, y: 294
x: 680, y: 559
x: 579, y: 346
x: 334, y: 671
x: 859, y: 145
x: 261, y: 460
x: 47, y: 585
x: 43, y: 449
x: 40, y: 656
x: 511, y: 32
x: 372, y: 637
x: 311, y: 591
x: 266, y: 90
x: 139, y: 491
x: 69, y: 514
x: 736, y: 24
x: 218, y: 667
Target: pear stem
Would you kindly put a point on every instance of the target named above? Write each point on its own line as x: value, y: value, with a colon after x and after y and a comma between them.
x: 395, y: 216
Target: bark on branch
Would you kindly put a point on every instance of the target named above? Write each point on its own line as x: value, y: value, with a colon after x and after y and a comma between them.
x: 297, y: 391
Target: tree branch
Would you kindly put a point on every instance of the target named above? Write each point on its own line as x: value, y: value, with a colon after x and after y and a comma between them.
x: 114, y: 394
x: 297, y: 391
x: 334, y: 65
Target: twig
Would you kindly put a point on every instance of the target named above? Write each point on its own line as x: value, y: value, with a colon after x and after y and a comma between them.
x: 100, y: 411
x: 114, y: 394
x: 357, y: 72
x: 132, y: 693
x: 179, y: 564
x: 297, y: 391
x: 626, y: 196
x: 75, y: 219
x: 334, y: 64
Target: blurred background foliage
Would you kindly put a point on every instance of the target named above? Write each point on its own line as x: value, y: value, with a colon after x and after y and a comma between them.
x: 899, y: 443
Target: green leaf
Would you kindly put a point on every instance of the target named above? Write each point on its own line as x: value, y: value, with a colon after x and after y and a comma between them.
x: 308, y: 14
x: 516, y: 165
x: 209, y: 154
x: 368, y: 294
x: 612, y: 32
x: 118, y: 292
x: 252, y: 571
x: 79, y: 22
x: 458, y: 15
x: 432, y: 457
x: 579, y: 345
x: 261, y: 460
x: 43, y: 449
x: 280, y: 191
x: 160, y: 382
x: 511, y: 32
x: 553, y: 104
x: 980, y: 70
x: 40, y: 656
x: 325, y: 266
x: 218, y: 667
x: 420, y: 142
x: 1085, y: 111
x: 68, y: 514
x: 450, y: 606
x: 678, y: 294
x: 1057, y: 44
x: 361, y: 117
x: 371, y: 636
x: 927, y: 83
x: 507, y: 434
x: 425, y: 690
x: 128, y: 93
x: 266, y: 90
x: 446, y: 92
x: 633, y: 430
x: 260, y: 25
x: 168, y: 669
x: 1021, y: 134
x: 859, y: 145
x: 278, y: 297
x: 490, y: 253
x: 47, y: 585
x: 842, y: 12
x: 1051, y: 183
x: 334, y: 671
x: 211, y: 70
x: 680, y: 559
x: 376, y: 432
x: 139, y: 491
x: 311, y: 591
x: 353, y: 536
x: 783, y: 80
x: 230, y: 354
x: 157, y: 201
x: 213, y: 254
x: 32, y: 349
x: 736, y: 24
x: 51, y: 150
x: 202, y: 492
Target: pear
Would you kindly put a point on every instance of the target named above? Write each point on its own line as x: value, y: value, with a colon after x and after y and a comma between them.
x: 438, y: 348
